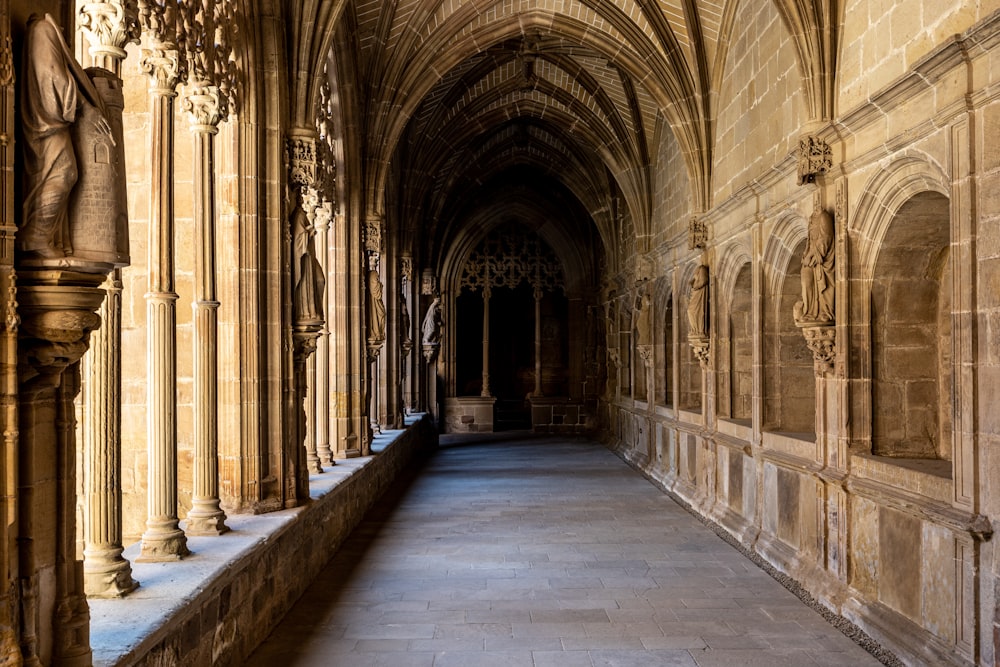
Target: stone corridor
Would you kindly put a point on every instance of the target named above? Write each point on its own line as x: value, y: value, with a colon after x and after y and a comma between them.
x: 544, y: 551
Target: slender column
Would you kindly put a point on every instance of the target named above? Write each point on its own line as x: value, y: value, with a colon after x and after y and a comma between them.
x: 486, y: 341
x: 321, y: 391
x: 163, y: 538
x: 108, y: 26
x: 538, y: 343
x: 311, y: 372
x: 206, y: 516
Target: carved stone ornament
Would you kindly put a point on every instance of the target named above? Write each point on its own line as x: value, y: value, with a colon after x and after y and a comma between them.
x: 646, y: 354
x: 203, y: 105
x: 700, y: 347
x: 815, y: 159
x: 822, y: 342
x: 406, y: 268
x: 615, y: 356
x: 163, y: 65
x: 109, y: 25
x: 697, y: 234
x: 373, y: 235
x: 301, y: 149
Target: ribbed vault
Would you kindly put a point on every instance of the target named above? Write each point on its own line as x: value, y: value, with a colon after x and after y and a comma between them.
x: 454, y: 92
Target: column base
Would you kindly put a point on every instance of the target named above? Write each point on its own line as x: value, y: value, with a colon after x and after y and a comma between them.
x: 205, y: 518
x: 107, y: 577
x: 163, y: 546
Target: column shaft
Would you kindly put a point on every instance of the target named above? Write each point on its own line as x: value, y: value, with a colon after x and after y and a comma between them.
x: 538, y: 343
x: 486, y: 343
x: 163, y: 538
x: 206, y: 516
x: 106, y: 573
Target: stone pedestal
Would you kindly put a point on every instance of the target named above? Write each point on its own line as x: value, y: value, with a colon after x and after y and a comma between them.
x: 296, y: 473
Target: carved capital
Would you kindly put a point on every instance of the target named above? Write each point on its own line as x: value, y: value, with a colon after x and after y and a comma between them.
x: 110, y: 25
x: 697, y: 234
x: 163, y: 65
x: 822, y: 342
x: 203, y: 105
x: 815, y: 159
x: 324, y: 215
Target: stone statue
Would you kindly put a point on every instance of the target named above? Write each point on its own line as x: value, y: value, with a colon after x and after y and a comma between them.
x: 641, y: 320
x: 697, y: 310
x: 816, y: 306
x: 404, y: 325
x: 307, y: 274
x: 376, y: 309
x: 56, y: 93
x: 431, y: 328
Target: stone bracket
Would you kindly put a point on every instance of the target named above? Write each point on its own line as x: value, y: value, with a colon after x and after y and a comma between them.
x: 822, y: 341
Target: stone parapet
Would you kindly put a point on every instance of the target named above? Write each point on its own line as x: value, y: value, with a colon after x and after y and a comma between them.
x: 216, y: 608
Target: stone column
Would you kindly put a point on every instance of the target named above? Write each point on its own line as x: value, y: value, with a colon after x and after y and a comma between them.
x: 308, y: 308
x: 206, y: 517
x: 163, y: 538
x: 108, y: 26
x: 486, y: 342
x: 321, y: 388
x: 538, y: 343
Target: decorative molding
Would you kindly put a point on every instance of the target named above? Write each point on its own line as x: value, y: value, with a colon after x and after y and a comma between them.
x: 815, y: 158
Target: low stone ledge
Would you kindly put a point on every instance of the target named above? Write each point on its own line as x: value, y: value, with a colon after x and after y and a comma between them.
x: 216, y: 606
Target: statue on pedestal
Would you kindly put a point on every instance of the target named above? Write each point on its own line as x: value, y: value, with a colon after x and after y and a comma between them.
x: 73, y: 154
x: 817, y: 305
x: 307, y: 273
x: 697, y: 310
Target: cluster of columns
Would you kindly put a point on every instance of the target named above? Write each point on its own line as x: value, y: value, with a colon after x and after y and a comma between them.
x: 208, y: 71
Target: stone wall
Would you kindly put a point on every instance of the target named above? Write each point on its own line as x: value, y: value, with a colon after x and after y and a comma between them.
x: 868, y: 476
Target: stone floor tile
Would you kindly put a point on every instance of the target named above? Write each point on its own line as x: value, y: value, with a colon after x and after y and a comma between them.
x: 544, y: 552
x: 636, y: 658
x: 562, y: 659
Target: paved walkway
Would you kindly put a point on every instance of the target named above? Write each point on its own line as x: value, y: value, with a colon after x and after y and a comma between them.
x: 544, y: 552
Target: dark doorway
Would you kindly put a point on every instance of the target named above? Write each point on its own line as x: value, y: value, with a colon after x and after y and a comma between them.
x: 512, y: 355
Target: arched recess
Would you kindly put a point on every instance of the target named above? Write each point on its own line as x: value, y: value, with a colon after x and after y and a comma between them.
x: 735, y: 334
x: 905, y: 236
x: 789, y: 384
x: 663, y: 342
x: 911, y: 332
x: 690, y: 388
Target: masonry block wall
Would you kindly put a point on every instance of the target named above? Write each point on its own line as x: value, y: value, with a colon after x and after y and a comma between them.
x: 868, y: 480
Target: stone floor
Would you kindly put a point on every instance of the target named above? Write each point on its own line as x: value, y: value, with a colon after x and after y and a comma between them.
x: 544, y: 551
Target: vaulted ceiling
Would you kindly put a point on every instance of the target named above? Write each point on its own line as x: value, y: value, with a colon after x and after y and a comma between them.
x: 463, y: 102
